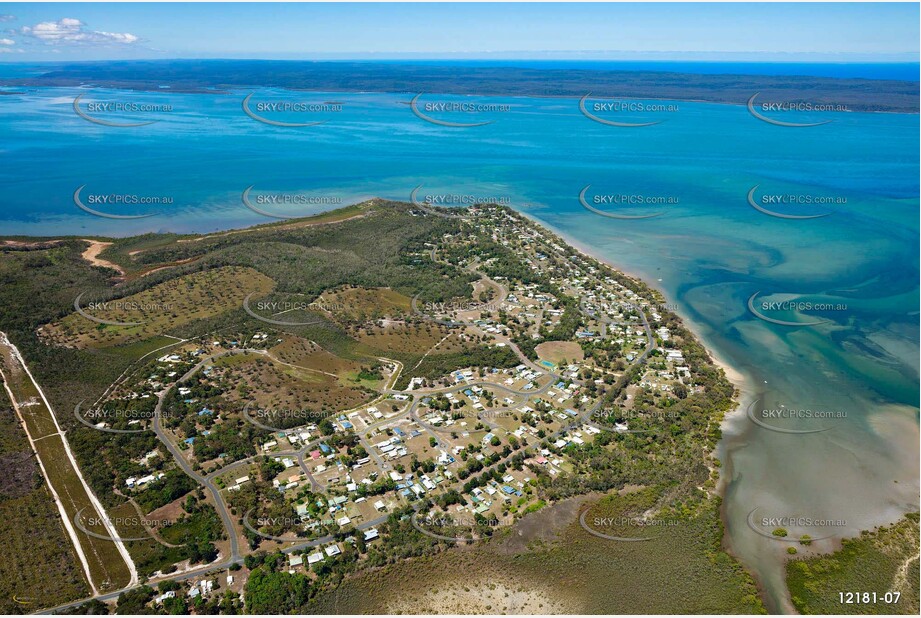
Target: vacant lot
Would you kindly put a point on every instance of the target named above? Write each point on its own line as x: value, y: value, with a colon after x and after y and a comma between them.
x: 558, y: 351
x: 410, y: 338
x: 307, y: 354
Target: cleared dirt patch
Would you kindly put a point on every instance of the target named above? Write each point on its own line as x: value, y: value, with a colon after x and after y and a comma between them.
x: 91, y: 255
x: 558, y: 351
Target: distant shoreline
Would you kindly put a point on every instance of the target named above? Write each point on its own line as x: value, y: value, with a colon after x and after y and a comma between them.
x: 409, y: 93
x: 221, y: 76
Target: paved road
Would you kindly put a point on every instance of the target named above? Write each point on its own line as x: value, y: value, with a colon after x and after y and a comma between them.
x: 208, y: 483
x: 211, y: 568
x: 201, y: 480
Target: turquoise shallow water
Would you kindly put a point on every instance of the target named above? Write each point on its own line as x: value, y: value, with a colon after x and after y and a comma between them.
x: 709, y: 250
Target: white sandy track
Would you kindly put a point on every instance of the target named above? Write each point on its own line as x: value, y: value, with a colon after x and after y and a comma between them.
x: 97, y: 505
x: 68, y: 525
x: 900, y: 581
x: 91, y: 255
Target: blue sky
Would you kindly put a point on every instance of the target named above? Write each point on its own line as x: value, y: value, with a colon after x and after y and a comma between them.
x: 806, y: 31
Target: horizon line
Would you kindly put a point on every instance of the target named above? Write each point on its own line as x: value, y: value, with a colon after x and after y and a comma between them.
x: 421, y: 57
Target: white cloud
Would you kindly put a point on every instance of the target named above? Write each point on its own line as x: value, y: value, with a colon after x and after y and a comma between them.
x: 70, y: 30
x: 7, y: 18
x: 7, y: 42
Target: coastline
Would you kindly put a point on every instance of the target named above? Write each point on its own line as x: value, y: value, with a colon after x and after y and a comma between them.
x: 199, y: 76
x: 230, y: 90
x: 738, y: 379
x: 744, y: 385
x: 891, y: 428
x: 734, y: 424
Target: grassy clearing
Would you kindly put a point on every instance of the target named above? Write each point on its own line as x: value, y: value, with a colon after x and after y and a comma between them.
x: 158, y: 309
x: 136, y: 349
x: 558, y: 351
x: 363, y: 304
x: 409, y: 338
x: 176, y: 535
x: 275, y: 385
x: 437, y: 365
x: 307, y: 354
x: 881, y: 561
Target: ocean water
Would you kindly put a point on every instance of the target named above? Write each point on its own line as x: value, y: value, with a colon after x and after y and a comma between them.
x: 708, y: 249
x: 905, y: 71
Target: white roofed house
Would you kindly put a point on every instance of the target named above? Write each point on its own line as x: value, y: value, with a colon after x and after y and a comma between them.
x: 315, y: 557
x: 333, y: 550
